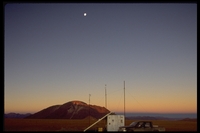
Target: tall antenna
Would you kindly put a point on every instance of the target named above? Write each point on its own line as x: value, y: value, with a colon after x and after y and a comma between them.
x: 89, y: 108
x: 105, y: 97
x: 89, y: 98
x: 124, y: 99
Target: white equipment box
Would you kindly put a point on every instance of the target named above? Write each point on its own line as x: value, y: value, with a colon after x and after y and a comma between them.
x: 114, y: 122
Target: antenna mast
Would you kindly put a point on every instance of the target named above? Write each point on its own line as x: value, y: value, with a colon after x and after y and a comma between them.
x: 105, y: 97
x: 124, y: 99
x: 89, y: 108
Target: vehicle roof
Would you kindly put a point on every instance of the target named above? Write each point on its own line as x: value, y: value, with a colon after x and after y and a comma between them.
x: 141, y: 121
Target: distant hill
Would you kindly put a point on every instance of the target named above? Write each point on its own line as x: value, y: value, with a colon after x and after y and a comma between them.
x: 189, y: 119
x: 70, y: 110
x: 157, y: 118
x: 16, y: 115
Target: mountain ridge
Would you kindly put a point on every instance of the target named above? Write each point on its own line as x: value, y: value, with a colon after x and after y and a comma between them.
x: 70, y: 110
x: 16, y: 115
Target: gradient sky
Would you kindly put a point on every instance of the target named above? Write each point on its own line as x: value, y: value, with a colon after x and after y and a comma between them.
x: 53, y: 55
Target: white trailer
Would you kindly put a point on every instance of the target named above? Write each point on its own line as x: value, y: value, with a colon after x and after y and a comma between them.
x: 114, y: 122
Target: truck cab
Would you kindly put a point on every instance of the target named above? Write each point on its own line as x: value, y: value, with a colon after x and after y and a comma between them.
x: 140, y: 126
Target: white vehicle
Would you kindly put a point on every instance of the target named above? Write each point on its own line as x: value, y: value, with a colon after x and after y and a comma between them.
x: 141, y: 126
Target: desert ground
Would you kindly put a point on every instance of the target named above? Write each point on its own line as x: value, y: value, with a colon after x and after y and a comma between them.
x: 80, y: 125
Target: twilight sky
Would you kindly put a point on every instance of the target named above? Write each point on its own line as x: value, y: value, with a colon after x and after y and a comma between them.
x: 54, y: 54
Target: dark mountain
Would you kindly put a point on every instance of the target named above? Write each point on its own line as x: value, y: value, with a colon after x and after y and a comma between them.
x: 16, y: 115
x: 70, y: 110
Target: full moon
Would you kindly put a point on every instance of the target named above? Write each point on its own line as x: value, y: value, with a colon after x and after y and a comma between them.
x: 85, y: 14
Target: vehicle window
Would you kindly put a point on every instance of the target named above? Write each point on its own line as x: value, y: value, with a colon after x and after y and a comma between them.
x: 140, y: 124
x: 147, y: 125
x: 133, y: 124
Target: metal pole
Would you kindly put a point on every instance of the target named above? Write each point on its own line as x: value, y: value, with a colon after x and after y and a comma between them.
x: 124, y: 99
x: 97, y: 121
x: 89, y: 98
x: 89, y: 108
x: 105, y: 97
x: 105, y: 128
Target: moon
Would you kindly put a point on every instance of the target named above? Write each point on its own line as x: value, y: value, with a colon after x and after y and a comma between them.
x: 85, y: 14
